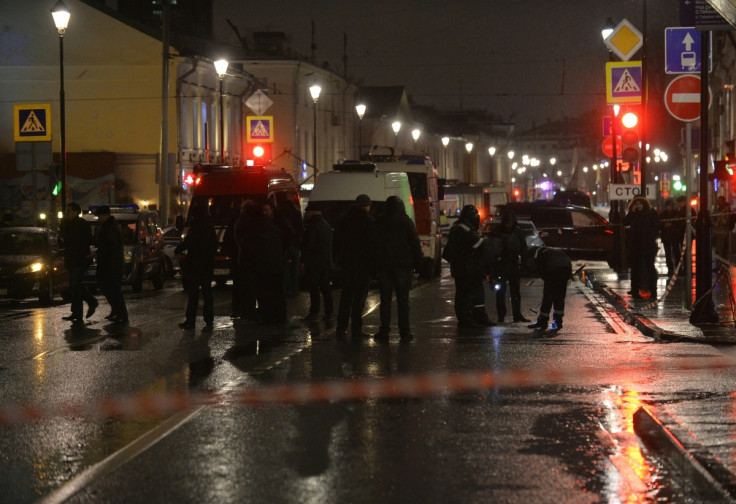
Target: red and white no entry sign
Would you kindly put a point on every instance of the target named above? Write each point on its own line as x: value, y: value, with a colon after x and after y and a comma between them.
x: 682, y: 98
x: 608, y: 146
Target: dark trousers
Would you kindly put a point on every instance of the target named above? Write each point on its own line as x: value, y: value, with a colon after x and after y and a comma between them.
x: 291, y: 272
x: 112, y: 289
x: 194, y: 283
x: 319, y: 283
x: 671, y: 254
x: 513, y: 278
x: 271, y: 296
x: 553, y: 294
x: 355, y: 282
x: 79, y: 291
x: 246, y: 297
x: 641, y: 261
x: 469, y: 298
x: 398, y: 279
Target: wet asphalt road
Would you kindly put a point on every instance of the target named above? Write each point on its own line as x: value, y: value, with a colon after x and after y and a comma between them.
x: 570, y: 441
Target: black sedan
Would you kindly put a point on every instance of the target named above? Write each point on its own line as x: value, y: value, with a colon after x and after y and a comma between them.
x: 32, y: 264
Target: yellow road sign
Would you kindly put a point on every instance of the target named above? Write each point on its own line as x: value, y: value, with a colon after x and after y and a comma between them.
x: 625, y: 40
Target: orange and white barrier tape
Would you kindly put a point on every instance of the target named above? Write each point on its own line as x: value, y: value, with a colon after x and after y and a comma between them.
x: 419, y: 385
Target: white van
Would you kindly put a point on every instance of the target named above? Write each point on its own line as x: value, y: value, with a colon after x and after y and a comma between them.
x: 334, y: 192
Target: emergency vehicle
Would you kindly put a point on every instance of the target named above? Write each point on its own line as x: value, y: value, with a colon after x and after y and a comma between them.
x: 425, y: 195
x: 223, y: 188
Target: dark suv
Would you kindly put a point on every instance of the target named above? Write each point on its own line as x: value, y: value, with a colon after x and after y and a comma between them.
x: 577, y: 230
x: 143, y: 242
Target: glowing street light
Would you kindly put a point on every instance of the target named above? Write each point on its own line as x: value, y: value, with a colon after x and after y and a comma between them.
x: 61, y: 17
x: 221, y: 69
x: 360, y: 110
x: 396, y: 126
x: 315, y: 91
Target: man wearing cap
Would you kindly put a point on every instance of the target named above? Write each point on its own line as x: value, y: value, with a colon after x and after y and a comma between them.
x: 110, y: 264
x: 77, y: 256
x: 352, y: 255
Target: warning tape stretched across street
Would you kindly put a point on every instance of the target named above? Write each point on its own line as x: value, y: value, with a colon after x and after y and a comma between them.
x: 414, y: 386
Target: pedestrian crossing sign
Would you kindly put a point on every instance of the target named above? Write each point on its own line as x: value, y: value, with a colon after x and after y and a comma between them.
x: 32, y: 123
x: 259, y: 128
x: 623, y: 82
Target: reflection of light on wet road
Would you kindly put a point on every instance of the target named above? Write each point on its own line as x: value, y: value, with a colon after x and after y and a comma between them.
x: 629, y: 474
x: 38, y: 333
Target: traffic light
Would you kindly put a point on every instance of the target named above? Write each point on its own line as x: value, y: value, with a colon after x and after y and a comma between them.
x: 259, y: 153
x: 54, y: 182
x: 630, y: 126
x: 517, y: 194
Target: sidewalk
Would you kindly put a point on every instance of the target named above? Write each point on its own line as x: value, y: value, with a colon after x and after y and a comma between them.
x: 697, y: 435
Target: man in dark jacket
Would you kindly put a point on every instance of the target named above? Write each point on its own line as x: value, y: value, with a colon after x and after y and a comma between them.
x: 642, y: 222
x: 317, y: 261
x: 352, y: 246
x: 555, y: 269
x: 77, y: 239
x: 513, y: 247
x: 670, y: 234
x: 200, y: 243
x: 245, y: 237
x: 396, y: 252
x: 271, y: 232
x: 110, y: 264
x: 465, y: 252
x: 292, y: 213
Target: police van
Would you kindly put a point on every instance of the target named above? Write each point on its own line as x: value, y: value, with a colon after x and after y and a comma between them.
x: 222, y: 189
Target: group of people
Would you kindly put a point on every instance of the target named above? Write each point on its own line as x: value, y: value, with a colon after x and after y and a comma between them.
x: 109, y: 254
x: 474, y: 258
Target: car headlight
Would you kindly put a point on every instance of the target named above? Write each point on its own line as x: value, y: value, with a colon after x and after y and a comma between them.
x: 32, y: 268
x: 128, y: 256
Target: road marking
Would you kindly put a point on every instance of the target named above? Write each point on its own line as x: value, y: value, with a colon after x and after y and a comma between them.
x: 120, y: 457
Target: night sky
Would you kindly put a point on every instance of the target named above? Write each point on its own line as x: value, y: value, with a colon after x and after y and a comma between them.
x: 525, y: 61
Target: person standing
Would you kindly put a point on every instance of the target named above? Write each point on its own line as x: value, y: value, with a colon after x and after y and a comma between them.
x: 670, y: 235
x: 641, y: 242
x: 555, y: 268
x: 77, y: 258
x: 352, y: 247
x: 396, y: 252
x: 317, y: 261
x: 245, y: 238
x: 722, y: 224
x: 291, y: 212
x: 110, y: 264
x: 465, y: 251
x: 201, y: 244
x: 271, y: 232
x: 513, y: 247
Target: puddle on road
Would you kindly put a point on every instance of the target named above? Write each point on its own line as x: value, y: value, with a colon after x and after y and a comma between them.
x: 597, y: 444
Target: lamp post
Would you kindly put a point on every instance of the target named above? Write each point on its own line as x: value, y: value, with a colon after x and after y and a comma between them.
x: 396, y: 126
x: 61, y: 17
x: 360, y: 109
x: 221, y: 69
x: 314, y: 91
x: 469, y: 147
x: 415, y: 133
x: 445, y: 143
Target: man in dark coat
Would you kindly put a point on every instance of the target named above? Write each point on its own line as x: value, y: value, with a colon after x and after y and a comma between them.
x: 352, y: 247
x: 513, y: 247
x: 641, y: 243
x: 465, y: 252
x: 245, y: 238
x: 201, y: 244
x: 317, y: 261
x: 290, y: 211
x: 671, y: 238
x: 396, y: 252
x: 77, y: 256
x: 110, y: 264
x: 271, y: 232
x: 555, y: 268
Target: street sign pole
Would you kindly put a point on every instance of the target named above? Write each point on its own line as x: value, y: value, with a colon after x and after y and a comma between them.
x: 703, y: 309
x: 688, y: 214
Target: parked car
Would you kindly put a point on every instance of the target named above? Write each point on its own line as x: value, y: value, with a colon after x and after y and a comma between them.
x: 143, y: 242
x: 531, y: 234
x: 578, y: 231
x: 172, y: 238
x: 32, y: 264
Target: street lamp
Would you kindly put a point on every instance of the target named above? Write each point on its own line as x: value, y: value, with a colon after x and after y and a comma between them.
x: 445, y: 143
x: 61, y: 17
x: 396, y: 126
x: 415, y: 133
x: 511, y: 154
x: 492, y: 151
x: 314, y: 91
x: 360, y: 109
x: 221, y: 69
x: 608, y: 28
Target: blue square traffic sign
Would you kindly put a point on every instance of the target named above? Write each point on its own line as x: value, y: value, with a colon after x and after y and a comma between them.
x: 682, y: 50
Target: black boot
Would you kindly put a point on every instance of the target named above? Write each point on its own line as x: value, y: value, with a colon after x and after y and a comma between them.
x: 541, y: 323
x: 556, y: 324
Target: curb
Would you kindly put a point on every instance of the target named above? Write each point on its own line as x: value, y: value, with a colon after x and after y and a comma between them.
x: 661, y: 433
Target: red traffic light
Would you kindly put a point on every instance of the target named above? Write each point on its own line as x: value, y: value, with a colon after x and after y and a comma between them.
x: 630, y: 149
x: 517, y: 193
x: 259, y: 153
